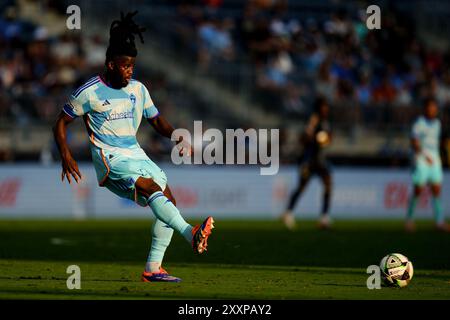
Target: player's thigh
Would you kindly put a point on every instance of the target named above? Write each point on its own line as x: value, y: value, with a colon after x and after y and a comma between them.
x: 141, y: 177
x: 420, y: 175
x: 150, y: 179
x: 119, y: 189
x: 146, y: 186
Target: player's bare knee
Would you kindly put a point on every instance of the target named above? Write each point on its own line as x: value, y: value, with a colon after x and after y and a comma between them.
x: 418, y: 190
x: 147, y: 186
x: 168, y: 194
x: 171, y: 198
x: 436, y: 190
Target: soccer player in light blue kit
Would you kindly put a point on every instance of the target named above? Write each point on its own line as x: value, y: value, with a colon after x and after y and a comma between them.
x: 112, y: 106
x: 427, y: 166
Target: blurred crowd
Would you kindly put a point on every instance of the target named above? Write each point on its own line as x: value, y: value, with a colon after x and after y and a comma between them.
x: 292, y: 59
x: 289, y: 57
x: 38, y: 70
x: 336, y: 56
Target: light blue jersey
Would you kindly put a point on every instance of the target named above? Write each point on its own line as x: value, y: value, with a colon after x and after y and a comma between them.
x: 112, y: 118
x: 428, y: 133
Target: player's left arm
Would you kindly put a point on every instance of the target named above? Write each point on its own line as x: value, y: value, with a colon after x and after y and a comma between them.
x: 164, y: 128
x: 160, y: 124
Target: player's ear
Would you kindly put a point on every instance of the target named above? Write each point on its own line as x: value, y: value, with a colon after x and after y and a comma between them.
x: 110, y: 65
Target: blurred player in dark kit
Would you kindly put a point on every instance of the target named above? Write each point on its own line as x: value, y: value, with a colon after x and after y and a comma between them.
x: 315, y: 138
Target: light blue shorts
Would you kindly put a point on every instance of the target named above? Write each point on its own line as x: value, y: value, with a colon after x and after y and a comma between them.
x: 119, y: 172
x: 424, y: 173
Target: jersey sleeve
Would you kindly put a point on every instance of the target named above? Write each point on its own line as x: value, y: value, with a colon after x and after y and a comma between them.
x: 149, y: 109
x: 77, y: 105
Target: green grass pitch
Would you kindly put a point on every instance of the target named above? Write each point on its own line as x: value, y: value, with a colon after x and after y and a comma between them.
x: 246, y: 260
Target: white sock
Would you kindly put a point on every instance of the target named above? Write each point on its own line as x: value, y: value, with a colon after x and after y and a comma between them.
x: 152, y: 266
x: 165, y: 211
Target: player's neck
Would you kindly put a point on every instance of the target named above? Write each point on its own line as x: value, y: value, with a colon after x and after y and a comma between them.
x: 110, y: 82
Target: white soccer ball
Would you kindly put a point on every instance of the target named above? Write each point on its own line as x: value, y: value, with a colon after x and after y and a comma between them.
x: 323, y: 138
x: 396, y: 270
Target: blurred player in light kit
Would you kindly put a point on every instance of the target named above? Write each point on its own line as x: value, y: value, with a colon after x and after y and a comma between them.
x: 427, y: 164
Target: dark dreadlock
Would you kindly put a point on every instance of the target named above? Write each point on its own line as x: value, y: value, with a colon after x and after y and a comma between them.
x: 121, y: 36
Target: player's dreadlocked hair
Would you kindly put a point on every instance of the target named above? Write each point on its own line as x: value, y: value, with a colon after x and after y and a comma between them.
x: 121, y: 36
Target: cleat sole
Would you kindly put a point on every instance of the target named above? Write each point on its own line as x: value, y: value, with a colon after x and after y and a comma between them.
x: 204, y: 234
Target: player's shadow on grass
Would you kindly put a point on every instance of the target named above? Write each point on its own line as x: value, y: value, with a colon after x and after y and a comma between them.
x: 352, y: 244
x: 85, y: 294
x: 340, y: 285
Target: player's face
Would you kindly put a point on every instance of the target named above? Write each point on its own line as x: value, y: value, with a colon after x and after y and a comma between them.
x: 431, y: 110
x: 122, y: 68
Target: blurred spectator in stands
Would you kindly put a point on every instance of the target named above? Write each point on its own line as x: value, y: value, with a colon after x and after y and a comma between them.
x: 259, y: 40
x: 275, y: 75
x: 363, y: 89
x: 215, y: 41
x: 440, y: 88
x: 385, y: 92
x: 433, y: 61
x: 292, y: 102
x: 339, y: 26
x: 404, y: 97
x: 325, y: 83
x: 213, y: 4
x: 94, y: 48
x: 360, y: 28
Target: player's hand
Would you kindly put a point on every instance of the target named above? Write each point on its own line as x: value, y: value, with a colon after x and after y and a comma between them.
x: 70, y: 168
x: 429, y: 159
x: 185, y: 148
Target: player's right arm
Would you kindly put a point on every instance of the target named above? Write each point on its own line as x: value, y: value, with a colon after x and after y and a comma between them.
x: 415, y: 145
x: 77, y: 105
x: 308, y: 133
x: 69, y: 165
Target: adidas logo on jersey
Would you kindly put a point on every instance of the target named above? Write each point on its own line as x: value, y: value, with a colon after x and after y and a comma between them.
x: 106, y: 103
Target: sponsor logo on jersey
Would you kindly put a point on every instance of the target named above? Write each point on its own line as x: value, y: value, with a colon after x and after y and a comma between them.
x: 120, y: 115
